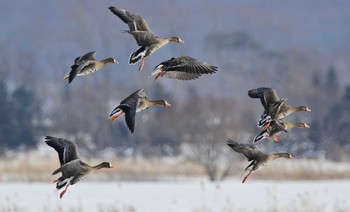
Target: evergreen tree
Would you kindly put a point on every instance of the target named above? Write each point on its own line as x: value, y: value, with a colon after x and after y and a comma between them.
x: 316, y: 81
x: 5, y: 114
x: 26, y: 112
x: 331, y: 83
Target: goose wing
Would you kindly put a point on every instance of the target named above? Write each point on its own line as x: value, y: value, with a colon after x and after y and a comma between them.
x: 67, y: 150
x: 135, y: 22
x: 130, y: 113
x: 267, y: 96
x: 88, y: 56
x: 251, y: 152
x: 77, y: 68
x: 143, y: 38
x: 185, y: 68
x: 129, y: 106
x: 188, y: 65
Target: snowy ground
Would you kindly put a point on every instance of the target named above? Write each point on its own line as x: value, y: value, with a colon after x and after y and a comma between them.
x: 188, y: 195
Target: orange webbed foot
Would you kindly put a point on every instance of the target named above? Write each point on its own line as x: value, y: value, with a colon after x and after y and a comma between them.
x: 64, y: 191
x: 246, y: 177
x: 276, y: 138
x: 142, y: 63
x: 266, y: 125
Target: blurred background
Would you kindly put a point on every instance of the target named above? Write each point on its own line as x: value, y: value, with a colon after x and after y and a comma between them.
x: 300, y: 48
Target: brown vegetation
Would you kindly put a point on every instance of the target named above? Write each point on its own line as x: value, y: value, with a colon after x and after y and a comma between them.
x: 31, y: 168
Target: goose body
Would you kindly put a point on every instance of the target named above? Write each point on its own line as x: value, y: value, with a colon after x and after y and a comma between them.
x: 274, y: 107
x: 147, y: 41
x: 133, y: 104
x: 276, y: 127
x: 257, y: 158
x: 72, y: 168
x: 86, y: 64
x: 182, y: 68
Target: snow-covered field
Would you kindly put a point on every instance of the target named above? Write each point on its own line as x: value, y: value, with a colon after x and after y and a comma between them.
x: 187, y: 195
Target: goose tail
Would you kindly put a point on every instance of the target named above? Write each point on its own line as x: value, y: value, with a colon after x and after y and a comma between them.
x: 136, y: 56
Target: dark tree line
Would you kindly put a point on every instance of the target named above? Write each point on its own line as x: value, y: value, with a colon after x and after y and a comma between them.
x: 331, y: 120
x: 21, y: 117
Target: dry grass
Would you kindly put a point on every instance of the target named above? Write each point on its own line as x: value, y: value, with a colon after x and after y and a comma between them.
x: 304, y: 170
x: 30, y: 167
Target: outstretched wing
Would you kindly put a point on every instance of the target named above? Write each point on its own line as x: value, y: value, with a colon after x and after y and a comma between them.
x: 267, y: 96
x: 76, y: 69
x: 249, y: 151
x: 67, y: 150
x: 135, y: 22
x: 188, y: 65
x: 88, y: 56
x: 130, y: 113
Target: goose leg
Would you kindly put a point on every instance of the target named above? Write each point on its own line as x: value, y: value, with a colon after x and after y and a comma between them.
x: 66, y: 77
x: 158, y: 76
x: 56, y: 181
x: 116, y: 116
x: 142, y: 63
x: 246, y: 177
x: 64, y: 191
x: 266, y: 125
x: 274, y: 138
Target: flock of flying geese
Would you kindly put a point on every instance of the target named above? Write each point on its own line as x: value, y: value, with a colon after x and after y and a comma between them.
x: 272, y: 120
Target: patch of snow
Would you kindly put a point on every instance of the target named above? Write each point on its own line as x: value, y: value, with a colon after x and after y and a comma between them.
x: 189, y: 195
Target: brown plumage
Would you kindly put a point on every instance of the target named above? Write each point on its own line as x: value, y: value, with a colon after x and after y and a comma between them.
x: 134, y: 103
x: 72, y: 168
x: 276, y: 127
x: 182, y: 68
x: 86, y: 64
x: 258, y: 158
x: 274, y: 107
x: 145, y: 38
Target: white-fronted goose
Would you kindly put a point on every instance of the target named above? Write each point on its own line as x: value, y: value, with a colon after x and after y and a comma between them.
x: 274, y: 107
x: 86, y: 64
x: 133, y: 104
x: 72, y: 168
x: 276, y: 128
x: 182, y: 68
x: 258, y: 158
x: 145, y: 38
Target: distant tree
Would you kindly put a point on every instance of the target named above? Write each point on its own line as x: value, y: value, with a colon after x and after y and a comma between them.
x: 208, y: 124
x: 331, y: 83
x: 316, y: 80
x: 232, y: 40
x: 26, y: 116
x: 5, y: 114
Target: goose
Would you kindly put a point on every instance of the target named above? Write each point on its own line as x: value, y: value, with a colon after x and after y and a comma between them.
x: 182, y: 68
x: 133, y: 104
x: 276, y: 128
x: 258, y: 158
x: 72, y: 168
x: 87, y: 64
x: 275, y: 108
x: 145, y: 38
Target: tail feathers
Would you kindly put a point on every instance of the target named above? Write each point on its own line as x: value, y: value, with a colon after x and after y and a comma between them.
x: 261, y: 136
x: 264, y: 121
x: 136, y: 56
x: 60, y: 185
x: 62, y: 182
x: 115, y: 110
